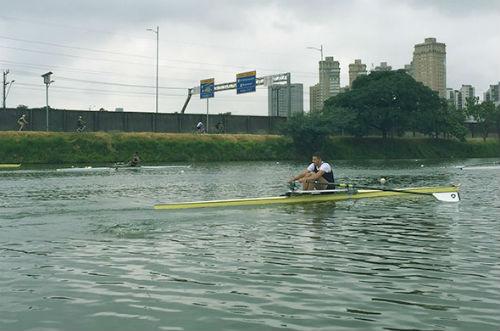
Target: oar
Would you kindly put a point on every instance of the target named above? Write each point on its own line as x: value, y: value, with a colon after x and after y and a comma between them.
x: 441, y: 196
x: 493, y: 163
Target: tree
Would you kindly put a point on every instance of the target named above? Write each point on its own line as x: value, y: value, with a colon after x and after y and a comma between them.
x: 390, y: 102
x: 497, y: 120
x: 485, y: 114
x: 308, y: 131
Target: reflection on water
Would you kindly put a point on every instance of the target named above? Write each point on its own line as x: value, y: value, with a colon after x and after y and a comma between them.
x: 86, y: 251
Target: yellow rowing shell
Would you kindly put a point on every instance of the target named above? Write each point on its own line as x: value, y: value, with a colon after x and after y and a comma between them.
x: 9, y: 165
x: 308, y: 198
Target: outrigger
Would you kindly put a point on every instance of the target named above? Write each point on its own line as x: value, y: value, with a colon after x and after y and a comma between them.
x: 348, y: 192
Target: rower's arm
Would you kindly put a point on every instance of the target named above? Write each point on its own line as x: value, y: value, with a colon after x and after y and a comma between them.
x: 302, y: 174
x: 317, y: 175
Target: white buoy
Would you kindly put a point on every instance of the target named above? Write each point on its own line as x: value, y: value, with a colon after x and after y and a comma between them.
x: 182, y: 171
x: 277, y: 162
x: 421, y: 166
x: 382, y: 180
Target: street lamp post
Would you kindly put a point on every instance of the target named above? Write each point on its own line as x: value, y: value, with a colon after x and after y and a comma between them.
x: 47, y: 81
x: 157, y: 31
x: 4, y: 87
x: 318, y: 49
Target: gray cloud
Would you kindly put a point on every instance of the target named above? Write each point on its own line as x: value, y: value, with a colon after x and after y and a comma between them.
x: 454, y: 8
x: 107, y: 41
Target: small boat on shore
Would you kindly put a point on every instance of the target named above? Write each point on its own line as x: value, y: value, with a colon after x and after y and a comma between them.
x: 441, y: 193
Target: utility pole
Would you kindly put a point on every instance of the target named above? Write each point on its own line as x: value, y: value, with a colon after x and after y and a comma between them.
x: 157, y: 31
x: 4, y: 87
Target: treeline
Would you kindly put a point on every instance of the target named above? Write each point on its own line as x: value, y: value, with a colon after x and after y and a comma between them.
x: 389, y: 104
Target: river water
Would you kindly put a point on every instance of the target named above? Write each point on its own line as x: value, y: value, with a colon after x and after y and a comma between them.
x: 86, y: 251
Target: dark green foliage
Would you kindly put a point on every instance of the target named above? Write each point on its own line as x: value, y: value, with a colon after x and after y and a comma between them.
x: 485, y: 113
x: 99, y: 148
x: 57, y: 147
x: 392, y: 103
x: 308, y: 131
x: 379, y: 148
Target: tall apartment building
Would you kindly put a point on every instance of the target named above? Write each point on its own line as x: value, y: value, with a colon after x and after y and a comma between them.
x: 454, y: 98
x: 409, y: 69
x: 429, y: 65
x: 277, y: 100
x: 356, y: 69
x: 467, y: 91
x: 493, y: 94
x: 314, y: 98
x: 458, y: 98
x: 329, y: 83
x: 383, y: 67
x: 329, y: 78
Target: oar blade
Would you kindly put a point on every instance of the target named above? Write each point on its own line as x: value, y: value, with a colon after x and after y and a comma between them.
x: 447, y: 196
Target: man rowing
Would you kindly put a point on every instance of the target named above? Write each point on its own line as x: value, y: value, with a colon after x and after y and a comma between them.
x: 135, y: 161
x: 317, y: 176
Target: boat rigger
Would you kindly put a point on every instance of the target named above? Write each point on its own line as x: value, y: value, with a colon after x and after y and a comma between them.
x: 441, y: 193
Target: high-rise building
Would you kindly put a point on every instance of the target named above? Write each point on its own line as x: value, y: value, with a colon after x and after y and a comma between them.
x: 277, y: 97
x: 329, y: 78
x: 429, y: 65
x: 314, y: 98
x: 329, y: 83
x: 356, y: 69
x: 493, y: 94
x: 409, y: 69
x: 467, y: 92
x: 383, y: 67
x: 454, y: 98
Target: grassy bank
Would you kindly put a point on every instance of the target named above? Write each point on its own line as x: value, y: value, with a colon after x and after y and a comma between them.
x: 101, y: 147
x: 409, y: 148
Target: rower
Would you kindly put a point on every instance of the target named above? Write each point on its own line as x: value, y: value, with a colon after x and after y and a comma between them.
x: 317, y: 176
x: 134, y: 162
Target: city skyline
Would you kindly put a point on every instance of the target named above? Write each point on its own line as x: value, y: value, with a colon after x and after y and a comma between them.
x: 107, y: 61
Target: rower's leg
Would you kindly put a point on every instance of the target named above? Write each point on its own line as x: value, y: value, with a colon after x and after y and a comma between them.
x: 321, y: 184
x: 308, y: 183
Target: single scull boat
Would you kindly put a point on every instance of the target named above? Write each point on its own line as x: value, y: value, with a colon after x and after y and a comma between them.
x: 442, y: 193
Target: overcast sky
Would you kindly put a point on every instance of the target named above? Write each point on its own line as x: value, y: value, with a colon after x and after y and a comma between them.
x: 103, y: 56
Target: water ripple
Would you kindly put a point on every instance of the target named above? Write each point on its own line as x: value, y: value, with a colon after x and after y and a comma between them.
x: 90, y: 253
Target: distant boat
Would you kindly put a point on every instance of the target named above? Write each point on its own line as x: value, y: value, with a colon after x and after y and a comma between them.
x: 119, y: 167
x: 9, y: 165
x: 84, y: 169
x: 127, y: 167
x: 483, y: 167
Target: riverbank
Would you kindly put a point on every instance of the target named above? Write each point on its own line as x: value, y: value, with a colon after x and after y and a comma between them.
x: 103, y: 147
